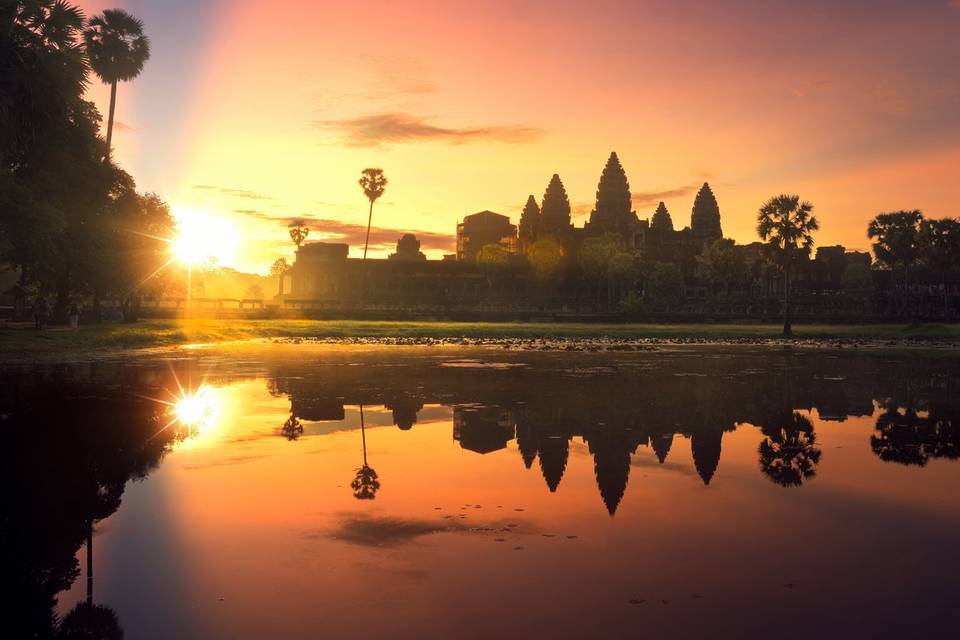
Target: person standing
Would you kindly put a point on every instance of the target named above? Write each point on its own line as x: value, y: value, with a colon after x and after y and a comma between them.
x: 74, y: 314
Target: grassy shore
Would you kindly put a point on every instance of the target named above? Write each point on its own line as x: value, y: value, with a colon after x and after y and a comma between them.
x: 167, y: 333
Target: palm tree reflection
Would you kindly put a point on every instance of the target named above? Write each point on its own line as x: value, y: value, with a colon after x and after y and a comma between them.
x: 789, y: 455
x: 365, y: 483
x: 292, y: 429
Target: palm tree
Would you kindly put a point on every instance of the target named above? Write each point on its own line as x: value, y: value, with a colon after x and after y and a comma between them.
x: 298, y: 231
x: 118, y: 49
x: 940, y: 248
x: 365, y: 484
x: 789, y: 453
x: 373, y: 183
x: 786, y: 225
x: 897, y: 238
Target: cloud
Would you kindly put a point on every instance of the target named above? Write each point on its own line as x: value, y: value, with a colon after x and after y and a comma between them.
x: 650, y: 198
x: 354, y: 234
x: 123, y: 127
x: 811, y: 87
x: 237, y: 193
x: 398, y: 127
x: 384, y: 531
x: 372, y: 531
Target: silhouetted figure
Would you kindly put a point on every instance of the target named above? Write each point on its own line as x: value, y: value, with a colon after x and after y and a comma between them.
x: 789, y: 455
x: 292, y: 429
x: 705, y: 446
x: 365, y: 484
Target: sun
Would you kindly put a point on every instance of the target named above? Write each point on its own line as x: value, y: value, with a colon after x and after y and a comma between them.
x: 198, y: 413
x: 203, y: 237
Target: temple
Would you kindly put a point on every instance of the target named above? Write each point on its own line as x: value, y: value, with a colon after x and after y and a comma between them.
x: 542, y: 265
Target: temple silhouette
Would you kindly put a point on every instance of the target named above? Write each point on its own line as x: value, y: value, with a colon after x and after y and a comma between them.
x: 540, y: 413
x: 512, y: 279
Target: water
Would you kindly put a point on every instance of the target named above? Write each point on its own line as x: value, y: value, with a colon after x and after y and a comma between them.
x: 689, y: 492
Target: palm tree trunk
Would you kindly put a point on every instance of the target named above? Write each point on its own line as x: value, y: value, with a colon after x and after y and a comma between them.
x: 90, y: 563
x: 946, y: 303
x: 113, y: 106
x: 787, y: 328
x: 366, y: 242
x: 363, y: 436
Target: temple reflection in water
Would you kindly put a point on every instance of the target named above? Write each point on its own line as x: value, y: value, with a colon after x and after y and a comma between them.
x: 67, y: 463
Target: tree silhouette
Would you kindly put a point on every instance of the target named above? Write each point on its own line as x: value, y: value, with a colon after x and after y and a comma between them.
x: 897, y: 239
x: 789, y: 455
x: 546, y: 259
x: 298, y: 230
x: 88, y: 621
x: 279, y: 269
x: 940, y: 248
x: 373, y: 183
x: 723, y: 263
x: 365, y: 483
x: 907, y: 438
x: 786, y: 225
x: 117, y: 49
x: 661, y: 220
x: 292, y: 429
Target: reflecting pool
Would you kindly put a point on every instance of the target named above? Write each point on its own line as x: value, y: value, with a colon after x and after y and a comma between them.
x: 308, y: 491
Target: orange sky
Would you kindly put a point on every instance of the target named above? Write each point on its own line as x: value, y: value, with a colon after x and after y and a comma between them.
x: 250, y: 115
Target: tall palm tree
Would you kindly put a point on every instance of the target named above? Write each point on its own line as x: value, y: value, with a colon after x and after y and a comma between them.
x: 366, y: 483
x: 897, y: 239
x: 298, y: 231
x: 118, y: 49
x: 373, y: 183
x: 786, y: 225
x: 940, y: 248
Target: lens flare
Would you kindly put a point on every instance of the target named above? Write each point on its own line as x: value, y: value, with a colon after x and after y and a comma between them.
x: 203, y: 237
x: 198, y: 413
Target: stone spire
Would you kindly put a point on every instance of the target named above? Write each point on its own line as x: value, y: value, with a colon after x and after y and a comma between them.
x: 705, y: 219
x: 555, y: 209
x: 529, y: 224
x: 705, y: 446
x: 661, y: 220
x: 613, y: 208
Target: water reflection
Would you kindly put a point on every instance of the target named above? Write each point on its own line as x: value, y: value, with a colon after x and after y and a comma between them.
x: 66, y: 464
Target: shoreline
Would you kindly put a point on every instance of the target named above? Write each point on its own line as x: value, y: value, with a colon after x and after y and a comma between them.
x: 98, y: 341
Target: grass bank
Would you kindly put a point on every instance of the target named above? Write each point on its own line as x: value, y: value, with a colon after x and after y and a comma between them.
x: 165, y: 333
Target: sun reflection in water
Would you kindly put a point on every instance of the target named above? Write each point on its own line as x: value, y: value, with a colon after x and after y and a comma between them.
x: 198, y: 414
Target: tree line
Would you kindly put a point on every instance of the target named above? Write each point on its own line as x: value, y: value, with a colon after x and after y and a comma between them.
x: 73, y: 224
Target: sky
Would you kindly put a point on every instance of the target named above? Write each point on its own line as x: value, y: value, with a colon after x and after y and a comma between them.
x: 253, y: 112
